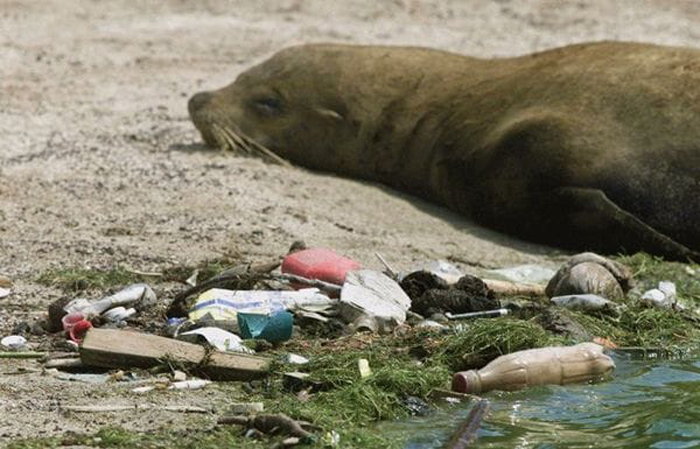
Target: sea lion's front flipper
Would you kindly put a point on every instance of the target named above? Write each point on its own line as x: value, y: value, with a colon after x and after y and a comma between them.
x: 595, y: 221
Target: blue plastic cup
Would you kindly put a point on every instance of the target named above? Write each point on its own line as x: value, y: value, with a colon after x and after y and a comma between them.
x: 274, y: 328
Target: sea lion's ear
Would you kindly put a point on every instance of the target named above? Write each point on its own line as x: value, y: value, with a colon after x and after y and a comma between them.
x: 329, y: 113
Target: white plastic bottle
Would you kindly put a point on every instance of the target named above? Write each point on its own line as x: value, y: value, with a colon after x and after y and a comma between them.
x: 552, y: 365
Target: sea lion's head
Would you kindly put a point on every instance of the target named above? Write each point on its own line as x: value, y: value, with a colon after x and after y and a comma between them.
x: 290, y: 104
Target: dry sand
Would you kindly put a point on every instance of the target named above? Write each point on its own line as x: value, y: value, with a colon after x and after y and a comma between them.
x: 100, y: 166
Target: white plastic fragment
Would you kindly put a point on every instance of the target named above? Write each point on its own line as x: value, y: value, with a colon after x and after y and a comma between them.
x: 431, y: 325
x: 218, y: 338
x: 372, y: 300
x: 14, y: 342
x: 529, y: 273
x: 669, y: 290
x: 223, y: 305
x: 296, y: 359
x: 4, y: 292
x: 118, y: 314
x: 192, y: 280
x: 656, y: 298
x: 441, y: 268
x: 194, y: 384
x: 246, y: 408
x: 140, y: 294
x: 363, y: 368
x: 145, y: 389
x: 587, y: 303
x: 663, y: 297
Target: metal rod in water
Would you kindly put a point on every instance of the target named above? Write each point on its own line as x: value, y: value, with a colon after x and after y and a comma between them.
x: 483, y: 314
x: 466, y: 433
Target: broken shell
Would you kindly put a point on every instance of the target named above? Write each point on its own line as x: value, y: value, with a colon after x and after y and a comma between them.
x: 590, y: 273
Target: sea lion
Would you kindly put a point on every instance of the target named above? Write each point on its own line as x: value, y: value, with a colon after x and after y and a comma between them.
x: 591, y: 146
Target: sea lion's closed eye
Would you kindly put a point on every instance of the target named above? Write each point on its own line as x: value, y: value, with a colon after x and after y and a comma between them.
x: 268, y: 105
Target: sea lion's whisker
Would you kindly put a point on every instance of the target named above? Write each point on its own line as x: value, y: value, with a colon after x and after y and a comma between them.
x: 233, y: 144
x: 221, y: 140
x: 228, y: 140
x: 240, y: 142
x: 266, y: 153
x: 253, y: 148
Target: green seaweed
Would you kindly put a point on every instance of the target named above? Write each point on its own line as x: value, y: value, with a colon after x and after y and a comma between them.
x: 76, y: 279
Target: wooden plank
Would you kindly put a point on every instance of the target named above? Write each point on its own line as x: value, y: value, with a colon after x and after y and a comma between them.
x: 113, y: 348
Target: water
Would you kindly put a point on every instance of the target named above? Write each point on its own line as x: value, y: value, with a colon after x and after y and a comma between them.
x: 647, y: 405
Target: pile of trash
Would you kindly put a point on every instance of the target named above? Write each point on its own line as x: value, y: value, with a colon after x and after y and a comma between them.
x: 314, y: 291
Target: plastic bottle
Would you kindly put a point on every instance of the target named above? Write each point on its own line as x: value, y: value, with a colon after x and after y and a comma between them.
x: 136, y: 293
x: 552, y: 365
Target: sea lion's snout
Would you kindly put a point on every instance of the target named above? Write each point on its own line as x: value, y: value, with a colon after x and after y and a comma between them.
x: 197, y: 102
x: 200, y: 110
x: 224, y: 122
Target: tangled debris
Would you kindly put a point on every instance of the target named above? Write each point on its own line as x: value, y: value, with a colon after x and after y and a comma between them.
x: 342, y: 370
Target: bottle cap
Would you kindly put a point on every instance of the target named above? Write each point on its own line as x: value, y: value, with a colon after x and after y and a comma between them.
x: 466, y: 382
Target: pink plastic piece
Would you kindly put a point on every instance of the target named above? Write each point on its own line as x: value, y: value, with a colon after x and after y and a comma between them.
x: 79, y: 330
x: 319, y: 263
x: 76, y: 326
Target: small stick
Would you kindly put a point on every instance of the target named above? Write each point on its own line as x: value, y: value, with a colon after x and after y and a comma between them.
x: 321, y: 285
x: 392, y: 273
x: 154, y: 274
x: 61, y: 355
x: 64, y: 363
x: 122, y: 408
x: 439, y: 393
x: 22, y: 355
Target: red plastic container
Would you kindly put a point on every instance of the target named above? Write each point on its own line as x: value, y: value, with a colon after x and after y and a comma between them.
x: 319, y: 263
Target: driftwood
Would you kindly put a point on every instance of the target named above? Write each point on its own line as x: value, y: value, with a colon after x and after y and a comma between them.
x: 328, y: 287
x: 507, y: 288
x: 278, y: 424
x: 124, y: 349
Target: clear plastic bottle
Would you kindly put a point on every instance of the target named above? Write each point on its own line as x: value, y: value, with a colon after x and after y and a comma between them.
x: 552, y: 365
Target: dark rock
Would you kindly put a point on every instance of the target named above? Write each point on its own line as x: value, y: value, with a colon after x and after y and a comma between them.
x: 418, y: 282
x: 416, y: 406
x: 431, y: 294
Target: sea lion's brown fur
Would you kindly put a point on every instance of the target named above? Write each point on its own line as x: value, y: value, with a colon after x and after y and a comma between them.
x: 591, y: 146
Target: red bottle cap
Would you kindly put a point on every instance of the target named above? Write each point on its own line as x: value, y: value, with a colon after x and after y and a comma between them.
x: 466, y: 382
